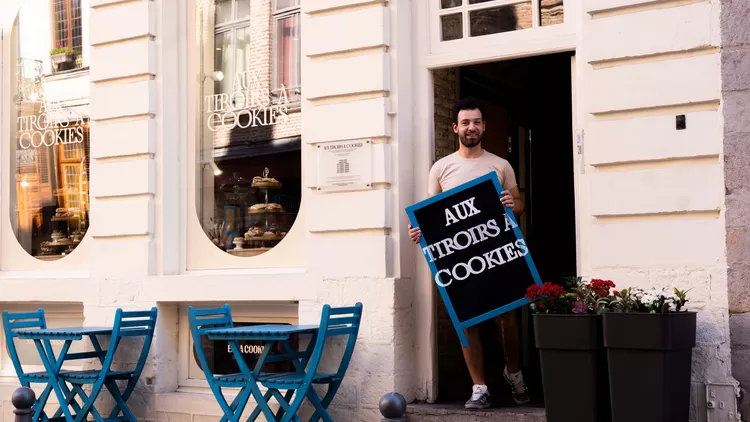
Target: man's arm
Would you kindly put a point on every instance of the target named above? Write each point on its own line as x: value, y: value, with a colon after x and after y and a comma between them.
x: 518, y: 206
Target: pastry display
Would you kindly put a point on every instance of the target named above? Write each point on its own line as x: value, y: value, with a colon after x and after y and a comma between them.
x: 263, y: 208
x: 265, y: 181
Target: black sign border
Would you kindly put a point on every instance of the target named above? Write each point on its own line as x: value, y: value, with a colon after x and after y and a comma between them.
x: 461, y: 325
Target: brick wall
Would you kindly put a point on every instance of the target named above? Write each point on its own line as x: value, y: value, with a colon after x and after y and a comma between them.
x: 446, y: 95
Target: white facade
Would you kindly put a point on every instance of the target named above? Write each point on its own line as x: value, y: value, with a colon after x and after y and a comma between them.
x: 650, y: 200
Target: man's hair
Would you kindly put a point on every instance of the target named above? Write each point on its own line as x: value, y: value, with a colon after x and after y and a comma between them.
x: 465, y: 104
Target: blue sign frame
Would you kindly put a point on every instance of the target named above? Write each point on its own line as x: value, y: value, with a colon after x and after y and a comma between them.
x: 461, y: 325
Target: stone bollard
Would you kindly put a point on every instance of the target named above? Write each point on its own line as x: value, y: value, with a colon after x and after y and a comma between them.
x: 393, y: 408
x: 23, y: 400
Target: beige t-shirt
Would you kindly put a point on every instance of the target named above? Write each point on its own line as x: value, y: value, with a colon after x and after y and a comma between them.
x: 454, y: 170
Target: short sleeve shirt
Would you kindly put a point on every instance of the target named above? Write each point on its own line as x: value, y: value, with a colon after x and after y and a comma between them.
x: 455, y: 170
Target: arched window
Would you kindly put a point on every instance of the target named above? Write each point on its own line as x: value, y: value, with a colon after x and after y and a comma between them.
x: 249, y: 139
x: 49, y: 127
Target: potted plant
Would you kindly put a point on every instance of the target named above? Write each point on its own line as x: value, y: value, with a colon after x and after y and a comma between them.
x: 568, y: 334
x: 649, y: 338
x: 62, y: 57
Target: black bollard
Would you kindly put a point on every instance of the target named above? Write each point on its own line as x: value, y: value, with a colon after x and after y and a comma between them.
x: 393, y: 407
x: 23, y: 400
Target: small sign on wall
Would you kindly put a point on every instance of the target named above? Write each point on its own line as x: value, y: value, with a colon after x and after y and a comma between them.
x: 476, y: 252
x: 345, y: 165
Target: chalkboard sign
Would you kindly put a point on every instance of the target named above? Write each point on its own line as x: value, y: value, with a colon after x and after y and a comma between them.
x: 474, y: 247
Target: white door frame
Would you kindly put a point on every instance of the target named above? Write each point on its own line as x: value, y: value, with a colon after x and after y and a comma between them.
x: 428, y: 57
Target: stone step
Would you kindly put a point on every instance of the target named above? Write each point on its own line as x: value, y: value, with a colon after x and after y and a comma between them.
x: 423, y: 412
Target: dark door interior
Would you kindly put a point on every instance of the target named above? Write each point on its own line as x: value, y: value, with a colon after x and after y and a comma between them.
x: 528, y: 109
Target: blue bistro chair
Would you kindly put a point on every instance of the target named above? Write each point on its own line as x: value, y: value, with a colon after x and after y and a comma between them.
x: 127, y: 324
x: 335, y: 322
x: 12, y: 322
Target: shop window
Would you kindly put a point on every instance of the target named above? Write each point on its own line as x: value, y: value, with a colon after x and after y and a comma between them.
x: 57, y: 315
x: 477, y: 18
x: 249, y: 165
x: 49, y: 125
x: 218, y: 354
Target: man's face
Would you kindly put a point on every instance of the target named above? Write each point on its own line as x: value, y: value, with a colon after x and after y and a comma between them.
x: 470, y: 127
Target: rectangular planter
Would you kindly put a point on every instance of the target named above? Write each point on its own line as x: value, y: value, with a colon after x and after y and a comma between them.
x: 574, y: 367
x: 650, y: 358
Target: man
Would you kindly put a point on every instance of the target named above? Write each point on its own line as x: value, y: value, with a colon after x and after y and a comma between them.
x: 468, y: 163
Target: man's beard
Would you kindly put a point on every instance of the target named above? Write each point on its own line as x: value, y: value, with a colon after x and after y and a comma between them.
x: 470, y: 143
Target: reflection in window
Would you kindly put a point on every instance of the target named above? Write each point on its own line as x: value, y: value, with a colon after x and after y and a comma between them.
x: 49, y: 208
x: 552, y: 12
x: 249, y: 169
x: 500, y: 19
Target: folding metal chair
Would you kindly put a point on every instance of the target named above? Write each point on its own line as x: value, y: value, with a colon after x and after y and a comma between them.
x: 127, y: 324
x: 201, y: 321
x: 334, y: 322
x: 13, y: 322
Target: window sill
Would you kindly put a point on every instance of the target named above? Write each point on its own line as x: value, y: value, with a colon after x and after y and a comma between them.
x: 66, y: 74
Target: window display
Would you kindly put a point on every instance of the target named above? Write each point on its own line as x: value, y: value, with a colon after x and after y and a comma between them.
x: 49, y: 124
x: 249, y: 141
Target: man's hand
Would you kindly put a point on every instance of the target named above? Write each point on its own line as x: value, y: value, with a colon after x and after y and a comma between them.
x: 414, y: 234
x: 508, y: 200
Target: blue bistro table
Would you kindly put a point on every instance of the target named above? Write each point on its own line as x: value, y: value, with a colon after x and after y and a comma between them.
x: 53, y: 365
x: 267, y: 334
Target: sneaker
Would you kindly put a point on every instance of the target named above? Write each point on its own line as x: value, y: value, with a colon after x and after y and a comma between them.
x: 480, y: 398
x: 518, y: 387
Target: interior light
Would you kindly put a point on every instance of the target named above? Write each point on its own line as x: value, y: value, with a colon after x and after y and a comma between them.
x: 215, y: 168
x: 24, y: 184
x: 219, y: 76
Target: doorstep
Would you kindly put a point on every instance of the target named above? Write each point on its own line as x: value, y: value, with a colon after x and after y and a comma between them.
x: 423, y: 412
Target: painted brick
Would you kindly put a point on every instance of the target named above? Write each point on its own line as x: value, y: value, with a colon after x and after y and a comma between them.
x: 323, y: 5
x: 118, y: 178
x: 107, y: 22
x: 673, y: 189
x: 658, y: 243
x: 371, y: 259
x: 123, y: 138
x: 352, y: 211
x: 122, y: 100
x: 324, y: 78
x: 123, y: 216
x: 654, y: 84
x: 652, y: 138
x: 655, y: 31
x: 130, y: 256
x: 140, y: 54
x: 322, y: 122
x: 365, y: 28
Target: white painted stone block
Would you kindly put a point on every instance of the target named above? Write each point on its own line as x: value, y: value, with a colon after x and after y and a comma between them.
x: 118, y: 178
x: 127, y: 256
x: 107, y: 60
x: 323, y: 5
x: 348, y: 211
x: 123, y: 216
x: 652, y: 138
x: 592, y: 6
x: 351, y: 75
x: 123, y: 21
x: 350, y: 255
x: 123, y: 100
x: 123, y: 138
x: 651, y: 32
x: 363, y: 119
x: 682, y: 81
x: 672, y: 189
x: 660, y: 243
x: 364, y: 28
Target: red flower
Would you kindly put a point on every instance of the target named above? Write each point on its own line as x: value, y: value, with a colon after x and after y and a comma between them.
x: 615, y: 292
x: 541, y: 306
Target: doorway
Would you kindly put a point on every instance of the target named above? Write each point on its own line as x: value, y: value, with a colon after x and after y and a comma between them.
x: 527, y: 106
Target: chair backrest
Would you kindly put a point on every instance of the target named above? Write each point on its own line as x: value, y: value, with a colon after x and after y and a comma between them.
x: 132, y: 324
x: 13, y: 322
x: 202, y: 320
x: 336, y: 322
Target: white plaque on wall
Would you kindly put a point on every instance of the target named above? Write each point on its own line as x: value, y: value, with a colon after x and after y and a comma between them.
x: 345, y: 165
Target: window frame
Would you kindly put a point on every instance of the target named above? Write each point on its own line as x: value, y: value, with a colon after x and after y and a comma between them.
x: 295, y: 92
x: 68, y: 42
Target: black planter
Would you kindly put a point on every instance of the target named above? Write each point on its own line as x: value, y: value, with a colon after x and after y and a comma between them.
x: 574, y: 367
x: 650, y: 358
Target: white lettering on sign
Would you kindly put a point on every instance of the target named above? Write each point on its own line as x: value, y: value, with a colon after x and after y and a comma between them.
x: 250, y: 104
x: 41, y: 130
x: 470, y: 237
x: 248, y: 349
x: 463, y: 210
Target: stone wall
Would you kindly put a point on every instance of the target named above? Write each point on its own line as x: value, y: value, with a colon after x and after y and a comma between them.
x: 735, y: 70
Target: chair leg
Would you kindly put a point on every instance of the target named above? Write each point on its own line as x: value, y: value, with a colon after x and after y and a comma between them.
x: 287, y: 397
x: 295, y: 405
x: 321, y: 407
x: 120, y: 405
x: 256, y: 412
